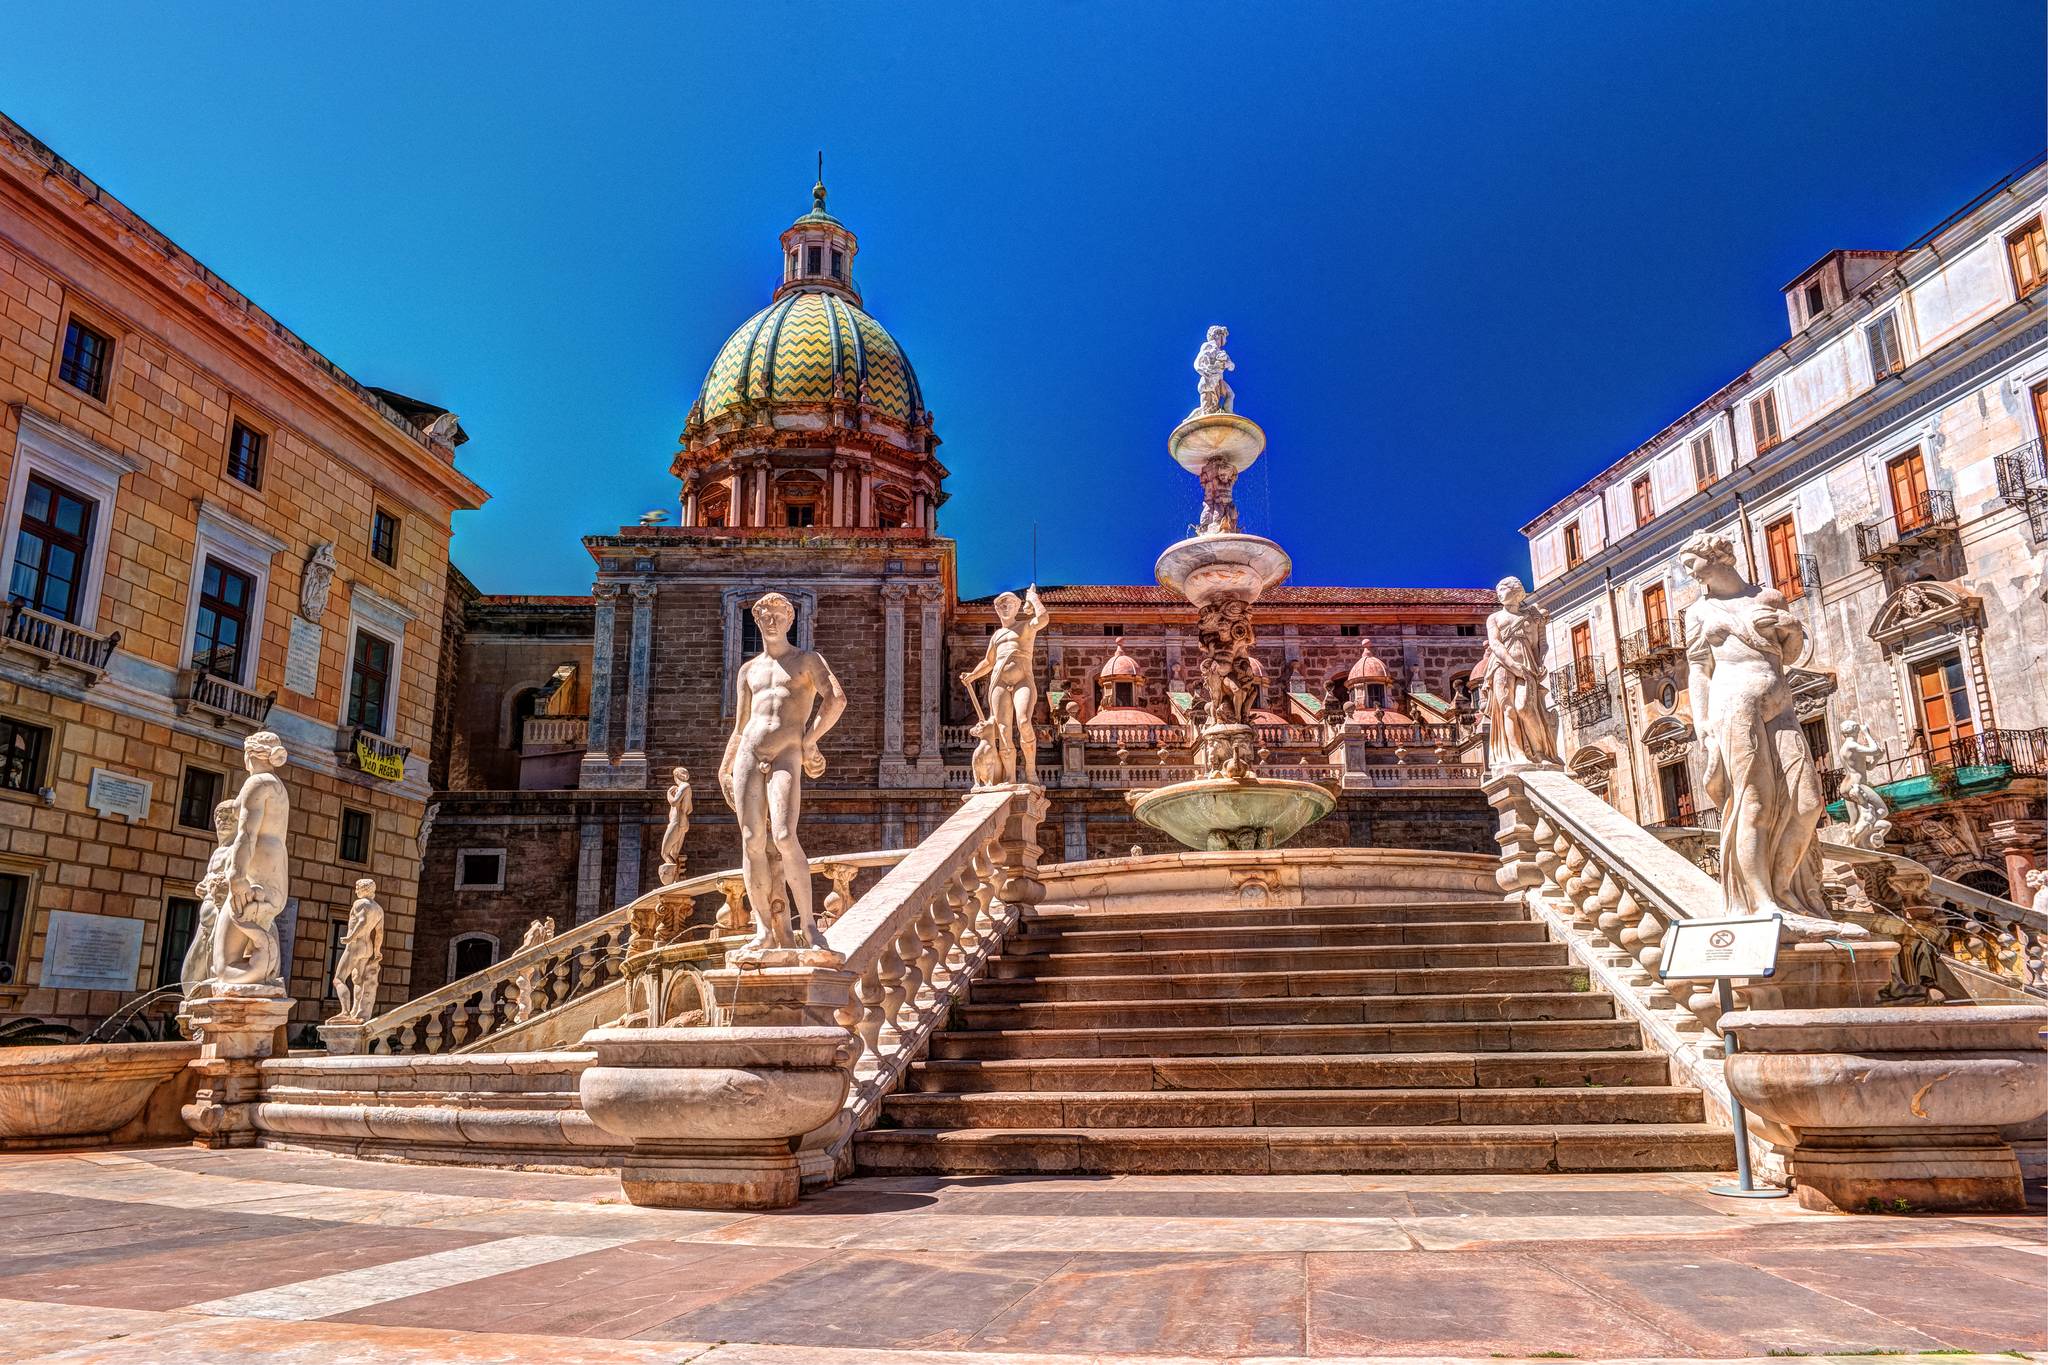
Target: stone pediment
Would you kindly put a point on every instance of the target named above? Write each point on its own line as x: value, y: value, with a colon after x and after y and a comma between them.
x: 1925, y: 606
x: 1589, y: 760
x: 1668, y: 736
x: 1811, y: 689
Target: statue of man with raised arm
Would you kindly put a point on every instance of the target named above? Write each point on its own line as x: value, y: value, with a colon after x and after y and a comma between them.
x: 786, y: 699
x: 1012, y: 687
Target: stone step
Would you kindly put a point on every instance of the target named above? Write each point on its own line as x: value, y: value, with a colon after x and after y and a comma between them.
x: 1286, y: 1009
x: 1539, y: 1035
x: 1255, y: 1151
x: 1345, y: 1071
x: 1321, y: 1108
x: 1229, y: 985
x: 1247, y: 959
x: 1483, y: 911
x: 1237, y: 938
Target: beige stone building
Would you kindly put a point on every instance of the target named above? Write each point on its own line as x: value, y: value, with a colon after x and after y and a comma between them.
x: 205, y: 527
x: 1882, y: 470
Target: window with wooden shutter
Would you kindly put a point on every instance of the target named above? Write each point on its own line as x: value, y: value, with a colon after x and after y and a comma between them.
x: 1781, y: 542
x: 1572, y: 551
x: 1646, y: 507
x: 1703, y: 464
x: 1907, y: 477
x: 1763, y: 421
x: 2028, y: 248
x: 1656, y: 616
x: 1942, y: 689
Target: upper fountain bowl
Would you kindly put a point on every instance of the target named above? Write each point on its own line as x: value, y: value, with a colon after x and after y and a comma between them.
x: 1220, y: 565
x: 1207, y: 437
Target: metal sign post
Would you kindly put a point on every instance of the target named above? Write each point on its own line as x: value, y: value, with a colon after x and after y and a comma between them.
x: 1719, y: 951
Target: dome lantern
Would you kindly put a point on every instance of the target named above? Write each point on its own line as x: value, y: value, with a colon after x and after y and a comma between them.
x: 818, y: 251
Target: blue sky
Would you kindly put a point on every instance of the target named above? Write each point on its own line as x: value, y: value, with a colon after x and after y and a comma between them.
x: 1469, y: 253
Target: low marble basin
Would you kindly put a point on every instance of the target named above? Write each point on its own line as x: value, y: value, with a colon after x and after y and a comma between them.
x: 1217, y: 813
x: 78, y: 1090
x: 1232, y: 564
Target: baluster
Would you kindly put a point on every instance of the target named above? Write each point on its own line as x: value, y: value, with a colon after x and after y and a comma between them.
x: 488, y: 1015
x: 554, y: 988
x: 458, y: 1023
x: 1605, y: 905
x: 910, y: 951
x: 1548, y: 855
x: 872, y: 999
x: 893, y: 972
x: 932, y: 949
x: 432, y: 1041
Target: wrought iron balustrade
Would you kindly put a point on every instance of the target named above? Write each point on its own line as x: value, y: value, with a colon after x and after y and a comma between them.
x: 1991, y: 754
x: 2023, y: 483
x: 1580, y: 687
x: 48, y: 640
x: 352, y: 743
x: 1656, y: 646
x: 1927, y: 518
x: 225, y: 701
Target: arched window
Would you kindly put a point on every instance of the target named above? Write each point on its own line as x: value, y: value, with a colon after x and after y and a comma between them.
x: 471, y: 953
x: 712, y: 505
x: 892, y: 509
x: 524, y: 704
x: 799, y: 499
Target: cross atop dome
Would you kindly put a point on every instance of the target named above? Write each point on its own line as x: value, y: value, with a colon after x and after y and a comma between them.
x: 818, y: 251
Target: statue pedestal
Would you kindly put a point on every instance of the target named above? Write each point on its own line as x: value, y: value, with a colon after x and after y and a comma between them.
x: 235, y: 1033
x: 344, y: 1037
x: 715, y: 1114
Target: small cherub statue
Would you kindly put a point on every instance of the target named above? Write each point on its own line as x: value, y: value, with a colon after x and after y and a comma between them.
x: 1212, y: 390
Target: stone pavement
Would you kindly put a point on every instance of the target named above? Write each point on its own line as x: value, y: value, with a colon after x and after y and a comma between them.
x: 173, y: 1255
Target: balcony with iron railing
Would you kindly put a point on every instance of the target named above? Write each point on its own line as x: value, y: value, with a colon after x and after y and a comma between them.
x: 1655, y: 647
x: 222, y: 700
x: 2023, y: 483
x: 1580, y: 687
x: 369, y: 752
x: 1928, y: 519
x: 46, y: 640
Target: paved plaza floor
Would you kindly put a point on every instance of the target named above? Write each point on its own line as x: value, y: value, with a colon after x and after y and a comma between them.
x: 174, y: 1255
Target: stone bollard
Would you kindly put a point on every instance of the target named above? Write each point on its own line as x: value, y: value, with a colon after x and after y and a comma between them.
x: 344, y: 1037
x: 235, y: 1033
x: 715, y: 1114
x: 1895, y: 1110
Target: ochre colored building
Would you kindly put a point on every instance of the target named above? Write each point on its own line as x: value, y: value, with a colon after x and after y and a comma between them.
x: 177, y: 469
x: 809, y: 465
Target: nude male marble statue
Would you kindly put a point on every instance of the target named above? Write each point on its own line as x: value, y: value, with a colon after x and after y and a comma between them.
x: 786, y: 700
x: 1212, y: 390
x: 680, y: 803
x: 245, y: 948
x: 362, y: 954
x: 1012, y: 690
x: 1869, y: 815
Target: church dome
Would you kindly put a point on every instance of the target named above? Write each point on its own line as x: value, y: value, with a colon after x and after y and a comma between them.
x: 811, y: 347
x: 1120, y: 667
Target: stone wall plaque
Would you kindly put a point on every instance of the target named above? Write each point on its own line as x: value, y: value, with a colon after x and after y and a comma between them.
x: 302, y: 658
x: 112, y: 793
x: 91, y: 952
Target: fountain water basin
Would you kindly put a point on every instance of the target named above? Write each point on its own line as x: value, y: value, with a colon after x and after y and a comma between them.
x: 1218, y: 813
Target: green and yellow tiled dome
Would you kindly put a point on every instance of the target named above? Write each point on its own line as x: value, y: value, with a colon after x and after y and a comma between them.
x: 797, y: 349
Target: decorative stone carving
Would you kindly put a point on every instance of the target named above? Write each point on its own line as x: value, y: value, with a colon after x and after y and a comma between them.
x: 1520, y: 729
x: 362, y: 955
x: 442, y: 430
x: 1212, y: 391
x: 212, y: 890
x: 427, y: 818
x: 316, y: 581
x: 1004, y: 725
x: 1740, y: 639
x: 524, y: 983
x: 786, y: 700
x: 245, y: 947
x: 680, y: 802
x: 1869, y: 816
x: 1219, y: 501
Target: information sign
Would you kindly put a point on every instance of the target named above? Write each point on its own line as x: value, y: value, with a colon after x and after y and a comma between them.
x: 1710, y: 949
x: 91, y: 952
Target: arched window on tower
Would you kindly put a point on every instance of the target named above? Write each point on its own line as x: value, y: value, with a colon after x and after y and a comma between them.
x: 799, y: 498
x: 814, y: 260
x: 712, y: 506
x: 892, y: 509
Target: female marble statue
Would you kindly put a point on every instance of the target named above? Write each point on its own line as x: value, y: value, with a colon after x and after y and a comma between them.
x: 1519, y: 732
x: 245, y: 946
x: 213, y: 893
x: 677, y: 830
x: 1739, y: 640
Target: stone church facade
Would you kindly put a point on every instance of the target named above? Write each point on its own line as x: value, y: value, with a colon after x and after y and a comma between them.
x: 809, y: 465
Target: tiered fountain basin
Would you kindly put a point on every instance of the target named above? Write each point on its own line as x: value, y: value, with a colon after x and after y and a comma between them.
x: 1229, y: 564
x: 1216, y: 813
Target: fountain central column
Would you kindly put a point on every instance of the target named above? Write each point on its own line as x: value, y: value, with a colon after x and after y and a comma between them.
x: 1223, y: 572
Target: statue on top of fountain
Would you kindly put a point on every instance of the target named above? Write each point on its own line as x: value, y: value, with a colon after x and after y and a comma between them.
x: 1212, y: 391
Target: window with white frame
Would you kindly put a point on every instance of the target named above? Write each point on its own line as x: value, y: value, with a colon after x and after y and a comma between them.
x: 469, y: 954
x: 480, y: 869
x: 376, y: 652
x: 61, y: 462
x: 230, y: 579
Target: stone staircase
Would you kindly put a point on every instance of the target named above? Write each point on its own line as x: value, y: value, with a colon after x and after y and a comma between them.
x: 1414, y: 1035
